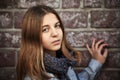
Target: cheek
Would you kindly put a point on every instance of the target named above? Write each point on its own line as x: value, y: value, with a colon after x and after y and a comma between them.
x: 45, y: 40
x: 45, y: 43
x: 61, y: 34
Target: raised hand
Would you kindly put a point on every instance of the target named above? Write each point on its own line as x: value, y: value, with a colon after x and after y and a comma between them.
x: 96, y: 50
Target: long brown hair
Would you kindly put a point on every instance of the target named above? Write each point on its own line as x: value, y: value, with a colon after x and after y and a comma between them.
x: 30, y: 60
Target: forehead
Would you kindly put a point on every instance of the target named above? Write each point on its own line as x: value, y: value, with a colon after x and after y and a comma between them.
x: 50, y: 19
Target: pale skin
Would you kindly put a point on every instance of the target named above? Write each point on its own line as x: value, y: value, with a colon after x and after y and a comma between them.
x: 51, y: 34
x: 52, y: 38
x: 96, y: 50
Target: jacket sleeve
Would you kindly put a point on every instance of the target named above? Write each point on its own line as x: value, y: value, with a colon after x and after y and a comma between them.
x: 27, y: 78
x: 89, y: 72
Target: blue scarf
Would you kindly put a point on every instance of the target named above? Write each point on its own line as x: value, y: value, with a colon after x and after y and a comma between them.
x: 58, y: 65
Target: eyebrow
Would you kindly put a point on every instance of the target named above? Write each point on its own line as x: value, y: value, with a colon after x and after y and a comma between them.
x: 57, y: 22
x: 48, y: 25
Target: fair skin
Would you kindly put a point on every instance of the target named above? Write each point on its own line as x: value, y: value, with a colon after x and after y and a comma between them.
x: 96, y: 50
x: 52, y: 38
x: 51, y: 33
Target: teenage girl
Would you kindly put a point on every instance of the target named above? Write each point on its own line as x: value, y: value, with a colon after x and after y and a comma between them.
x: 45, y: 53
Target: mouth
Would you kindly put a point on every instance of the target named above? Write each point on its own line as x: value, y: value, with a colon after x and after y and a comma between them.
x: 56, y: 42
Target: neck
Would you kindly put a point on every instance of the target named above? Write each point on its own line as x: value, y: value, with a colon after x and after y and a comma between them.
x: 52, y: 53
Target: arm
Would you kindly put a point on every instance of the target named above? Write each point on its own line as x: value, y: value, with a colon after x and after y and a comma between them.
x: 90, y: 72
x: 97, y: 61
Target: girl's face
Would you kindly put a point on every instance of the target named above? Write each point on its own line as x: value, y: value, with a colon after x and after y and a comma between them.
x: 51, y: 33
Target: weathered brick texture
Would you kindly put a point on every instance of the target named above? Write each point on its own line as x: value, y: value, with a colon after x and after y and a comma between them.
x: 109, y: 75
x: 27, y: 3
x: 18, y: 18
x: 7, y: 58
x: 71, y: 4
x: 6, y: 19
x: 92, y: 3
x: 7, y: 74
x: 82, y: 19
x: 107, y: 19
x: 8, y: 3
x: 52, y: 3
x: 112, y: 60
x: 9, y: 39
x: 112, y: 3
x: 80, y: 38
x: 74, y: 19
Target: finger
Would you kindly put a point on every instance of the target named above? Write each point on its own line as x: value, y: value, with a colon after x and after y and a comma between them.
x: 105, y: 53
x: 101, y: 47
x: 93, y: 43
x: 89, y: 49
x: 98, y: 43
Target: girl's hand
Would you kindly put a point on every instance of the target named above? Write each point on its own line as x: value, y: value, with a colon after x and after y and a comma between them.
x: 96, y: 50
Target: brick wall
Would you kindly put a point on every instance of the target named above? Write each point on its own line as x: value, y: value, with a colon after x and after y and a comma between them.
x: 83, y: 19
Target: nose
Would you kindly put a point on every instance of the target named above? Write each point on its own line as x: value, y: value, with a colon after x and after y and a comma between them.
x: 54, y: 32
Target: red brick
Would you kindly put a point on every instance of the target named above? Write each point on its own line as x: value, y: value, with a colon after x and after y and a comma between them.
x: 9, y: 39
x: 92, y: 3
x: 79, y: 39
x: 7, y: 74
x: 112, y: 3
x: 109, y: 75
x: 8, y: 3
x: 105, y: 74
x: 28, y: 3
x: 107, y: 19
x: 75, y: 19
x: 7, y: 58
x: 104, y: 14
x: 86, y: 57
x: 71, y: 3
x: 6, y: 19
x: 18, y: 19
x: 112, y: 61
x: 52, y: 3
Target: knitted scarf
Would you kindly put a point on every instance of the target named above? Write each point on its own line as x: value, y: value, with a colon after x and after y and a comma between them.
x: 58, y: 66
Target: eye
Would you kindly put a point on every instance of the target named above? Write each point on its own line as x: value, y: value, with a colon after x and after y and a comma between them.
x: 45, y: 29
x: 57, y: 25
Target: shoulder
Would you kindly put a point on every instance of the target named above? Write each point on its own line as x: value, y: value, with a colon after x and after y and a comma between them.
x: 27, y: 78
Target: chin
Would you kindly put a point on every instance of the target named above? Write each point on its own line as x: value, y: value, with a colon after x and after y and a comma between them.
x: 55, y: 48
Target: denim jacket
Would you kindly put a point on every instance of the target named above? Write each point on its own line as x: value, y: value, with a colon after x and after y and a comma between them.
x: 54, y: 64
x: 87, y: 74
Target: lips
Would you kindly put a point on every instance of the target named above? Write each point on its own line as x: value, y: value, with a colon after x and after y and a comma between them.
x: 56, y: 42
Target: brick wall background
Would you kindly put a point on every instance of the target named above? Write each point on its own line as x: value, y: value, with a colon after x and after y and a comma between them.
x: 83, y: 19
